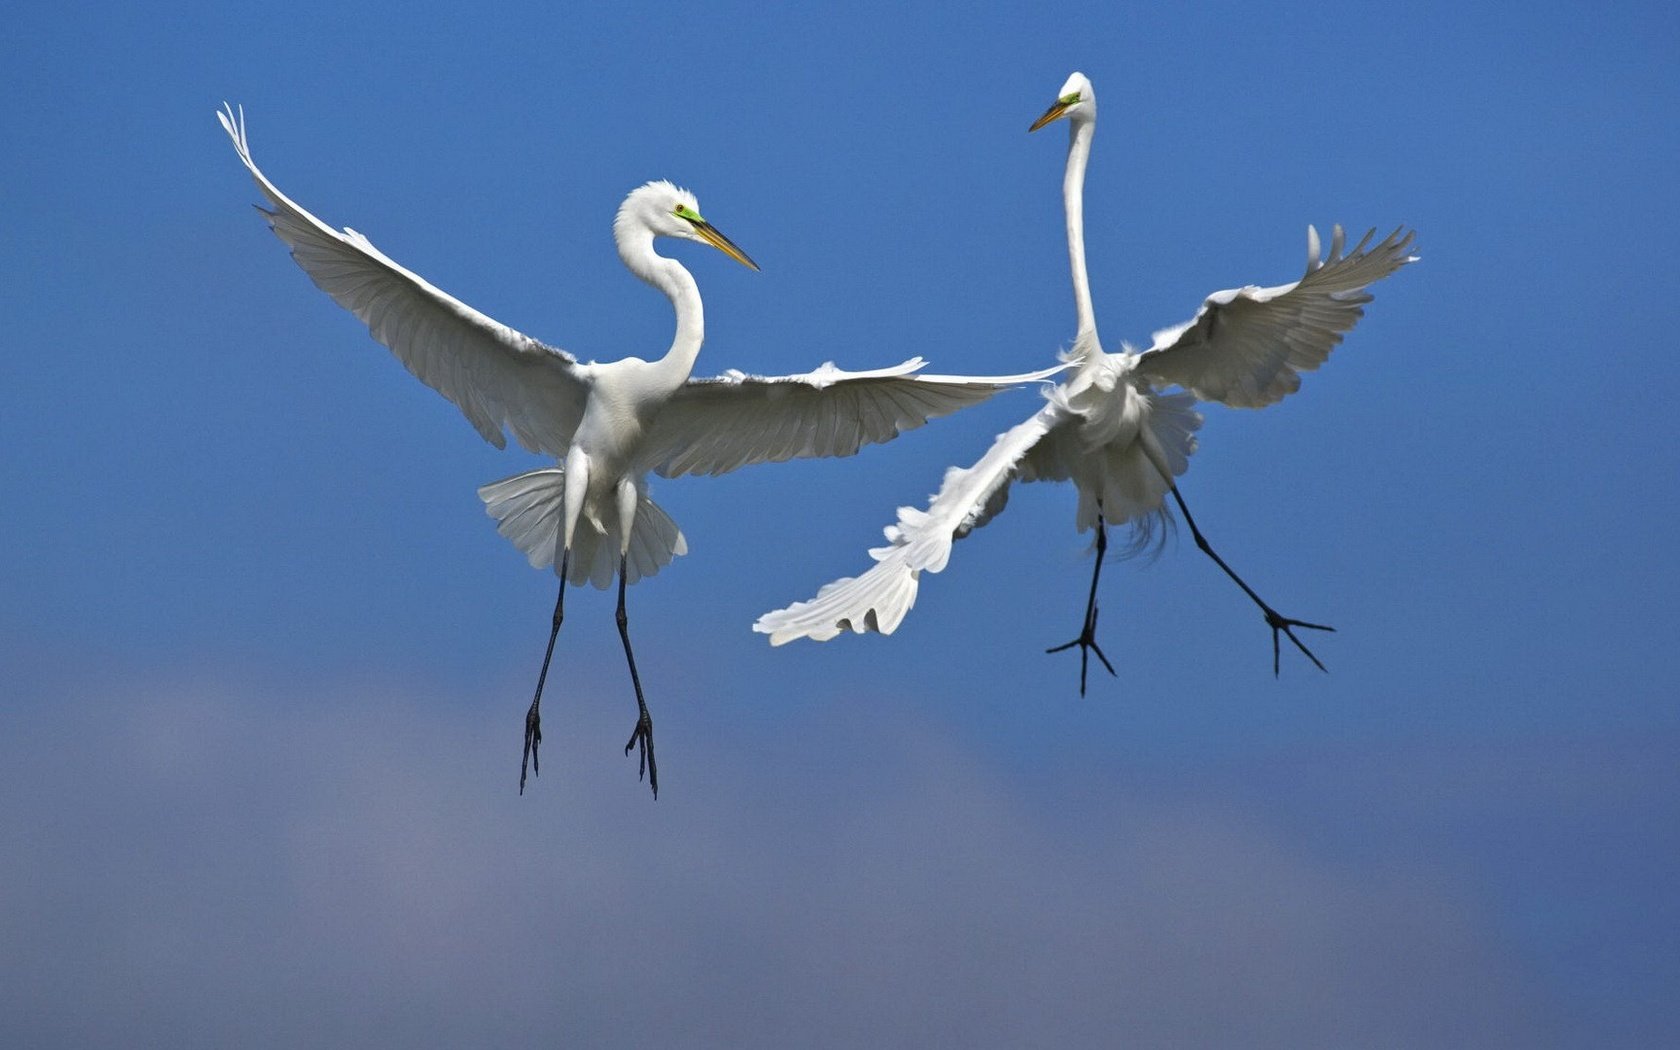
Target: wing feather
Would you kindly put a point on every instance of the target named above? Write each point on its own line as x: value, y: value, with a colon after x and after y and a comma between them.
x: 879, y: 599
x: 718, y: 424
x: 1246, y: 347
x: 498, y: 377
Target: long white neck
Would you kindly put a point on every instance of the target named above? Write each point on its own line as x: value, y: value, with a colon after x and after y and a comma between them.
x: 1073, y: 201
x: 635, y: 247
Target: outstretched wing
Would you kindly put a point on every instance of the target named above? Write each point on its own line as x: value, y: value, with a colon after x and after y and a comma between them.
x: 715, y: 425
x: 498, y: 377
x: 879, y: 599
x: 1246, y: 347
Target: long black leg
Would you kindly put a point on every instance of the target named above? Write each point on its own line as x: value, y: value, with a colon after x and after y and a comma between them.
x: 643, y: 733
x: 1273, y: 620
x: 1087, y: 640
x: 533, y: 717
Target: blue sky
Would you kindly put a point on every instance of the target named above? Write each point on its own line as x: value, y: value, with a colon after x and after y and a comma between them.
x: 266, y: 659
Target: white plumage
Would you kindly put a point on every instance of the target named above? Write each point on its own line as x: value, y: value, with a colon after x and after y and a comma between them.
x: 608, y: 424
x: 1112, y: 426
x: 529, y: 509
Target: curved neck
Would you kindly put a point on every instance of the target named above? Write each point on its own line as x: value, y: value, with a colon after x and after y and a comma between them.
x: 672, y: 278
x: 1073, y: 200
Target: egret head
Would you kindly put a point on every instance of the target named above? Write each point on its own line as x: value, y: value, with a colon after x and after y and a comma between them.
x: 662, y: 209
x: 1077, y: 101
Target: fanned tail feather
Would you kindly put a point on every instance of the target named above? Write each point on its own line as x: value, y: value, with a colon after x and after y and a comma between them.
x: 1134, y: 442
x: 530, y: 509
x: 1161, y: 453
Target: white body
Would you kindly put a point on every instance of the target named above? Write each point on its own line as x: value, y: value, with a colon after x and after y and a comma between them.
x: 608, y: 425
x: 1112, y: 426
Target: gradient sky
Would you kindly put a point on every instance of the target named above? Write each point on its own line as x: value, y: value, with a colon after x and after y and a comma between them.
x: 266, y: 660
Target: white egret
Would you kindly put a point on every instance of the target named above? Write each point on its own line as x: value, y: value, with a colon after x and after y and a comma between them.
x: 608, y: 424
x: 1111, y: 426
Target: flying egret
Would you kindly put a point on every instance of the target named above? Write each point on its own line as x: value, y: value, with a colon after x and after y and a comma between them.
x: 1111, y: 426
x: 607, y: 424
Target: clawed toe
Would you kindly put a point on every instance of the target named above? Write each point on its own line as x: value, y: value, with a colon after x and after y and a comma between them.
x: 1087, y: 643
x: 533, y: 740
x: 1284, y: 625
x: 643, y: 735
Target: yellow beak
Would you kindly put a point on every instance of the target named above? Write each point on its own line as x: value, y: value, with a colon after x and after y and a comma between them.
x: 1051, y: 115
x: 714, y: 237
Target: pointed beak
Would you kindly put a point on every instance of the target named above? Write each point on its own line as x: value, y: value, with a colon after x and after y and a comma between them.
x: 716, y: 239
x: 1051, y: 115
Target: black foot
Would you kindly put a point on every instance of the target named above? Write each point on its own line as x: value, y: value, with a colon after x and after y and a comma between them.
x: 1284, y: 624
x: 644, y: 735
x: 1273, y: 620
x: 1087, y: 642
x: 533, y: 740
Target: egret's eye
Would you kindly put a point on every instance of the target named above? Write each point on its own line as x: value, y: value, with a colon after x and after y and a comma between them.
x: 1069, y: 99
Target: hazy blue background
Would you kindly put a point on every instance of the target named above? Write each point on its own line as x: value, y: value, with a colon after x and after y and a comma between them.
x: 263, y: 659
